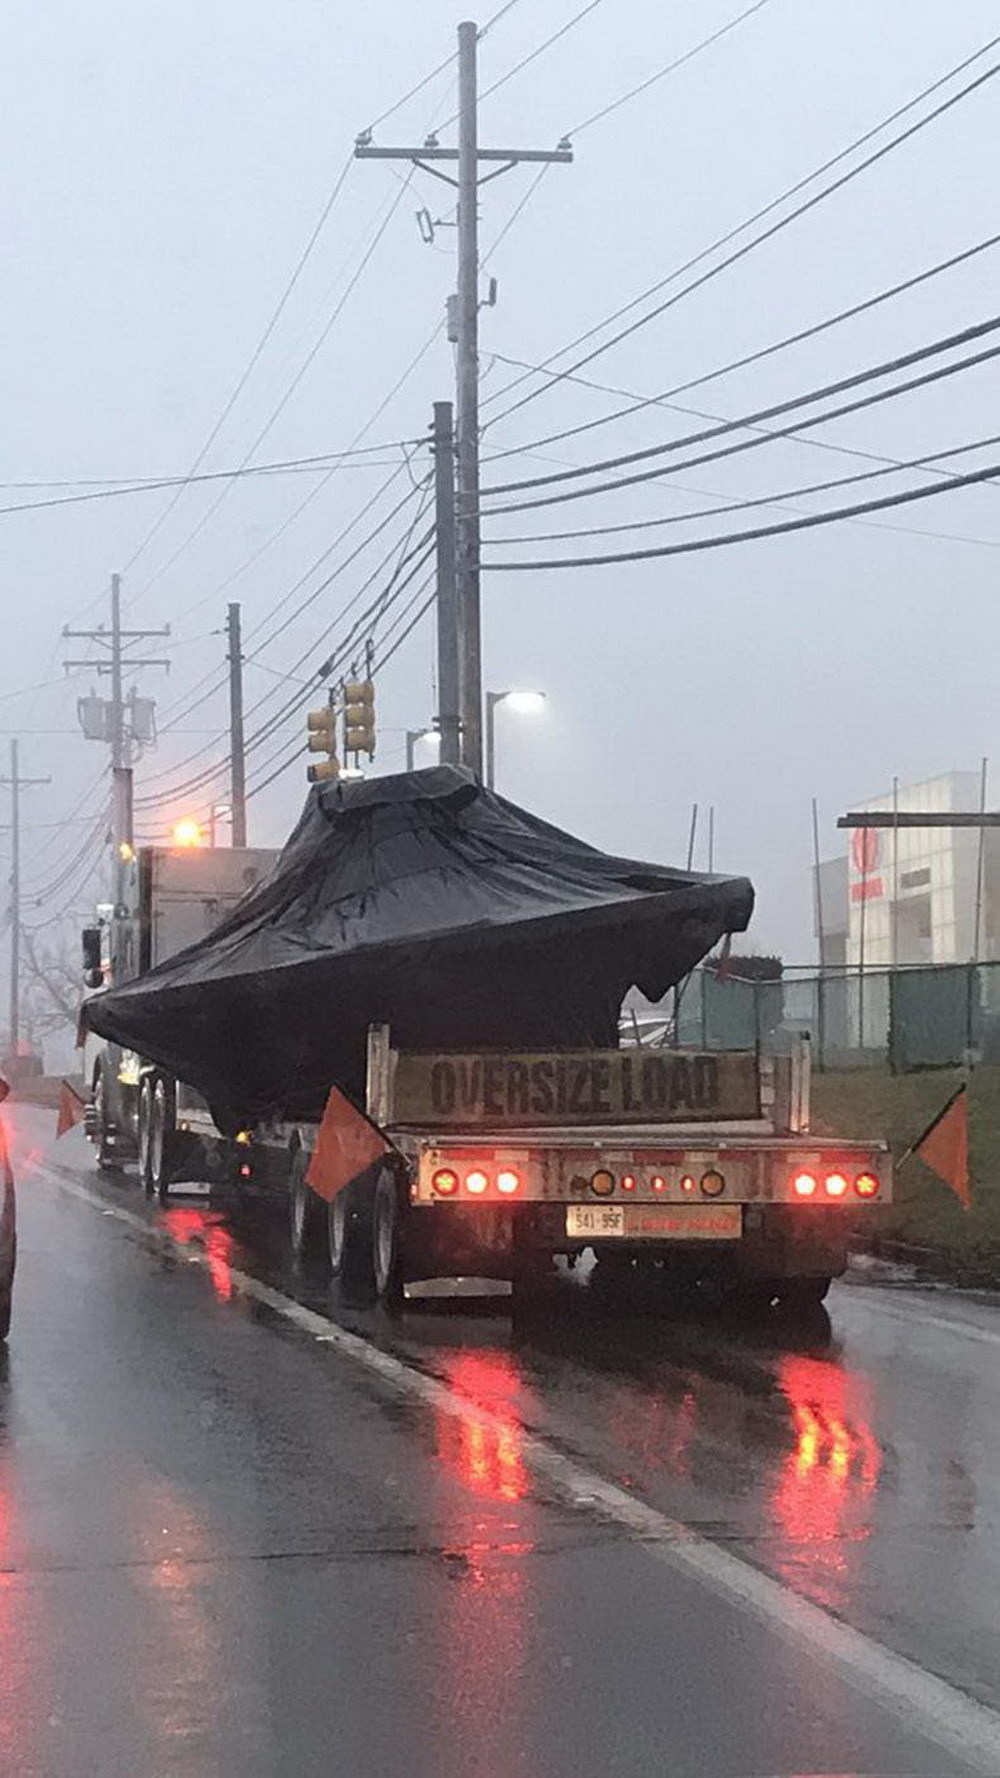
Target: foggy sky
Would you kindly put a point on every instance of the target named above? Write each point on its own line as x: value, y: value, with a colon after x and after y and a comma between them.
x: 164, y: 166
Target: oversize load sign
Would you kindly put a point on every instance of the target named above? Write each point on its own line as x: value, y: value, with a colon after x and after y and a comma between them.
x: 592, y: 1087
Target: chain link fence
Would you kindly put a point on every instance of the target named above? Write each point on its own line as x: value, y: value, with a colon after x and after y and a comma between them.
x: 941, y: 1016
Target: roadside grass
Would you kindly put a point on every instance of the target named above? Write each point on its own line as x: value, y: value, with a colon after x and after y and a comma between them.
x: 925, y: 1212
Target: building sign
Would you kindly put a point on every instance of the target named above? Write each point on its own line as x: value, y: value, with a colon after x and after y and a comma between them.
x: 864, y: 860
x: 864, y: 849
x: 869, y: 889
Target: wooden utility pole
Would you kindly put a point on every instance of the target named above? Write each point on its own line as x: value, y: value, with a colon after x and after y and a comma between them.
x: 449, y: 629
x: 116, y: 728
x: 16, y: 784
x: 237, y: 756
x: 467, y: 158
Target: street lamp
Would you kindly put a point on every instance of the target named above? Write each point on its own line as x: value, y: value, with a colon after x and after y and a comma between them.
x: 523, y: 703
x: 413, y: 735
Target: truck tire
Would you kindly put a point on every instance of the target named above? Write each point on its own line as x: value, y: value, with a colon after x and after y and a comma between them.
x: 387, y: 1244
x: 145, y: 1134
x: 104, y: 1159
x: 349, y: 1219
x: 162, y: 1137
x: 303, y: 1208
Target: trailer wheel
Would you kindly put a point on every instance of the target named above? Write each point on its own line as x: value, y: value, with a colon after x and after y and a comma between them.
x: 302, y: 1206
x: 145, y: 1135
x: 162, y: 1138
x: 103, y: 1154
x: 350, y: 1241
x: 387, y: 1239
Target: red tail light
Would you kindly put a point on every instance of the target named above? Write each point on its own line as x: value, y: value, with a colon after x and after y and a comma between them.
x: 688, y: 1184
x: 476, y: 1183
x: 804, y: 1185
x: 658, y: 1182
x: 508, y: 1182
x: 246, y: 1170
x: 628, y: 1182
x: 445, y: 1182
x: 866, y: 1185
x: 835, y: 1184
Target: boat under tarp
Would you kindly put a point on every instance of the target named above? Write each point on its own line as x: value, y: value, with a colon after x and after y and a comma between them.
x: 428, y: 903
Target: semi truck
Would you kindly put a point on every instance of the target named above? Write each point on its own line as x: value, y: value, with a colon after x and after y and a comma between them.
x: 409, y: 1029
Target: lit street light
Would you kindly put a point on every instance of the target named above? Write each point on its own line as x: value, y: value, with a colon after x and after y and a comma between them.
x: 523, y: 703
x: 413, y: 735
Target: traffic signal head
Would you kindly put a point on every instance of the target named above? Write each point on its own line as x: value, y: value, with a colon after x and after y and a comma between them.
x: 359, y: 717
x: 321, y: 737
x: 322, y: 730
x: 326, y: 772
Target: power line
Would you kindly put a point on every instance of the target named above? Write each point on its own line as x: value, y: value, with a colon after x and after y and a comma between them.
x: 207, y: 517
x: 767, y: 437
x: 717, y: 511
x: 534, y: 54
x: 638, y: 403
x: 972, y: 479
x: 316, y: 465
x: 623, y: 99
x: 661, y: 73
x: 252, y: 361
x: 765, y: 235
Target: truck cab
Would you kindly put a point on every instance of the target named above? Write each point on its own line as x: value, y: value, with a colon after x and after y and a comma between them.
x: 169, y: 898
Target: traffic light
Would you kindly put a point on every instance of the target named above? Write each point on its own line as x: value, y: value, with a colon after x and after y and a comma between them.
x: 322, y: 738
x: 359, y: 717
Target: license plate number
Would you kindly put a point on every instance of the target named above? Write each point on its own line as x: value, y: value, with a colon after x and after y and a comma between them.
x: 654, y: 1222
x: 599, y: 1220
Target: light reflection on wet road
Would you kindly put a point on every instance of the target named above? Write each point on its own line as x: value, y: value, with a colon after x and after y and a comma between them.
x: 249, y: 1488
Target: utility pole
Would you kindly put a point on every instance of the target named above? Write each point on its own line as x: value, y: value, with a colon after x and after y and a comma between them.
x: 114, y: 719
x: 237, y: 759
x: 16, y: 784
x: 468, y: 158
x: 449, y: 629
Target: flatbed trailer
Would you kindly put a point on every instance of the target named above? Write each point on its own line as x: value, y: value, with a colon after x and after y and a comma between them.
x: 700, y: 1164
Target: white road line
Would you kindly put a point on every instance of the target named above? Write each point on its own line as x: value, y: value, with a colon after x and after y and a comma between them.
x: 948, y: 1717
x: 983, y: 1336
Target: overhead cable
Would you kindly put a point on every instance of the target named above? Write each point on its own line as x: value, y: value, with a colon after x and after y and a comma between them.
x: 972, y: 479
x: 766, y: 234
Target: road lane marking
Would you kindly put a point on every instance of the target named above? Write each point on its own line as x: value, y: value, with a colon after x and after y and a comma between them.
x: 948, y: 1717
x: 966, y: 1330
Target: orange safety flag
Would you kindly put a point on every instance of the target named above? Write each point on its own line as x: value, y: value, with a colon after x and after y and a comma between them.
x: 71, y: 1109
x: 944, y: 1146
x: 347, y: 1144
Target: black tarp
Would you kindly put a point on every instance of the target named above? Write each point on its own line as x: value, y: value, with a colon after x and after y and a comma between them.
x: 427, y: 903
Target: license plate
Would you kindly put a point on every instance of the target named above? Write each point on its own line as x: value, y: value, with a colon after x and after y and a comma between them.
x: 599, y: 1220
x: 654, y: 1222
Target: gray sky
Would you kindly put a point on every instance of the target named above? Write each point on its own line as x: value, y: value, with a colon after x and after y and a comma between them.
x: 165, y: 165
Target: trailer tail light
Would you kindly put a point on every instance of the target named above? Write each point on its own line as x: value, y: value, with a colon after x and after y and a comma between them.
x: 658, y: 1182
x: 835, y: 1185
x: 628, y: 1182
x: 508, y: 1182
x: 804, y: 1185
x: 476, y: 1183
x: 866, y: 1185
x: 688, y: 1184
x: 602, y: 1182
x: 246, y: 1170
x: 712, y: 1183
x: 445, y: 1182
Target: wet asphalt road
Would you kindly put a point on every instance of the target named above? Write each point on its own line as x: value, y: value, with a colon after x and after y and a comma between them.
x: 228, y: 1551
